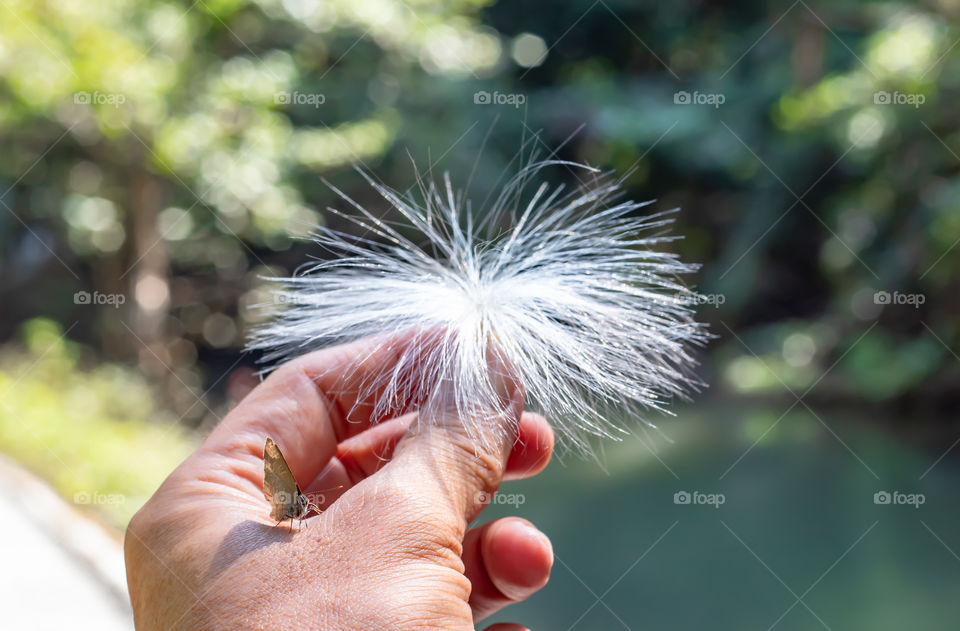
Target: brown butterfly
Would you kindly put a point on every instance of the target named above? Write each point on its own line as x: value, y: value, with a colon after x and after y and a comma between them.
x: 281, y: 488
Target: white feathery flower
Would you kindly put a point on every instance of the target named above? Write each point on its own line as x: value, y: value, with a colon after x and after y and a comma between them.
x: 563, y: 289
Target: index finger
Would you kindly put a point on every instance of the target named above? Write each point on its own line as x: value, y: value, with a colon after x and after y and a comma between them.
x: 311, y: 404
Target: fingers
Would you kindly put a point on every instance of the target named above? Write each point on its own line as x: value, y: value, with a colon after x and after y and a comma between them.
x: 357, y: 458
x: 312, y: 404
x: 447, y: 464
x: 366, y: 453
x: 345, y: 376
x: 532, y: 451
x: 288, y: 408
x: 506, y: 561
x: 307, y: 406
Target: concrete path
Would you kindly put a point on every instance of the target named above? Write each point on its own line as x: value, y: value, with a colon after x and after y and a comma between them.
x: 60, y: 570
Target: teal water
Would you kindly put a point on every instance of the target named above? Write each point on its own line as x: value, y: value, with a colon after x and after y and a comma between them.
x: 798, y: 542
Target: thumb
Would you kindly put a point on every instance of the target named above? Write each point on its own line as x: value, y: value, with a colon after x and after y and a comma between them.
x: 448, y: 465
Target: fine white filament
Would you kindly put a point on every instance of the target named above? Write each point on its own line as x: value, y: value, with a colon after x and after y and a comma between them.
x: 563, y: 290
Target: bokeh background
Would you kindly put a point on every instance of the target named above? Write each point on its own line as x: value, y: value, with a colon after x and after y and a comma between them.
x: 160, y: 158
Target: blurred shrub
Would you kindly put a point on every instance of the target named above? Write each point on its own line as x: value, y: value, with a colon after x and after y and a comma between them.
x: 94, y: 432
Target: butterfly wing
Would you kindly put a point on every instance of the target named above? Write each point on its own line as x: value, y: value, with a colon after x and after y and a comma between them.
x: 279, y: 485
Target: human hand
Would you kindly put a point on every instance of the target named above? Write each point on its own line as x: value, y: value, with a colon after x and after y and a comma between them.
x: 391, y: 550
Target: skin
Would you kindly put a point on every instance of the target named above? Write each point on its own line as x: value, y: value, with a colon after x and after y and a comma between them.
x: 392, y: 549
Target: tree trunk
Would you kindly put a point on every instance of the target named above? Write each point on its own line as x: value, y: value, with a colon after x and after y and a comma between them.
x: 149, y: 288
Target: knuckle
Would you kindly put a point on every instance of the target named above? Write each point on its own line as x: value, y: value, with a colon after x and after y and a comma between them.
x: 421, y: 527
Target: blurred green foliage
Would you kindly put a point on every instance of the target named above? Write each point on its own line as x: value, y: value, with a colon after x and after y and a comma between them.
x: 97, y: 435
